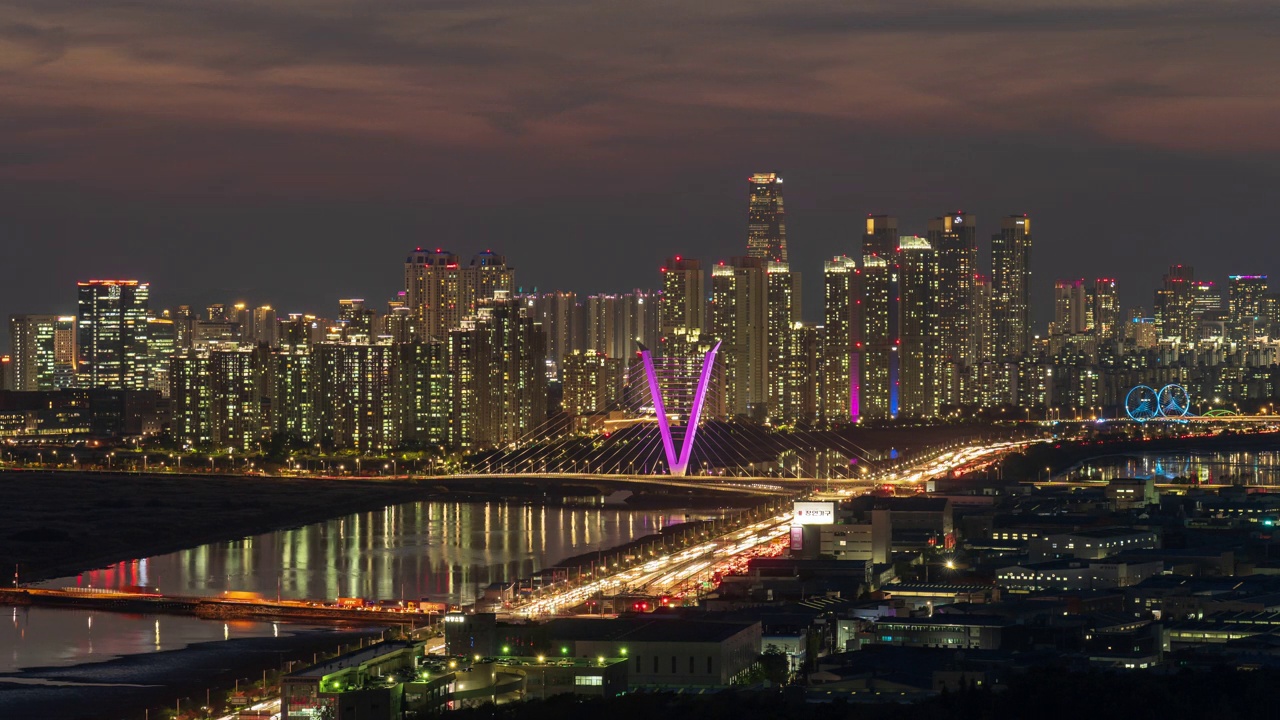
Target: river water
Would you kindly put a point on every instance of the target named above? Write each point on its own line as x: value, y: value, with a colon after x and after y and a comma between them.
x: 444, y: 551
x: 1228, y: 468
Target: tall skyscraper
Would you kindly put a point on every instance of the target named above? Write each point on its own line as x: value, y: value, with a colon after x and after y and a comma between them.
x: 357, y: 398
x: 498, y: 361
x: 684, y: 295
x: 879, y: 314
x: 1107, y: 325
x: 786, y: 366
x: 564, y: 320
x: 920, y: 350
x: 592, y: 382
x: 112, y: 333
x: 443, y: 292
x: 1070, y: 308
x: 1011, y: 288
x: 739, y: 318
x: 616, y: 322
x: 766, y: 218
x: 162, y: 344
x: 218, y: 397
x: 432, y: 283
x: 840, y: 291
x: 1173, y: 305
x: 265, y: 327
x: 44, y: 351
x: 1244, y: 307
x: 955, y: 240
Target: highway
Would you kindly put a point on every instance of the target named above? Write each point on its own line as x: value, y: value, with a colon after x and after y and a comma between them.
x: 675, y: 573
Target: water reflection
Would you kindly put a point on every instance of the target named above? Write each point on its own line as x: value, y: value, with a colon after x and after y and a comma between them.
x: 1224, y: 468
x: 443, y: 551
x: 47, y: 637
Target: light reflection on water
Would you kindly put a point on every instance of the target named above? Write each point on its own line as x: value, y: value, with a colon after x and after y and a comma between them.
x: 1225, y: 468
x: 439, y: 550
x: 49, y: 637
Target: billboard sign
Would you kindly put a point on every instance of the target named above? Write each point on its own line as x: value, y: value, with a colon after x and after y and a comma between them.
x: 814, y: 513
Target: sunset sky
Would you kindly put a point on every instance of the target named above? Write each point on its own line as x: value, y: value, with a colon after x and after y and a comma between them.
x: 291, y: 152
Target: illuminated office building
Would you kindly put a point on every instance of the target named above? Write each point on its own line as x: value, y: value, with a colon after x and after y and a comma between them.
x: 44, y: 351
x: 1011, y: 288
x: 739, y: 318
x: 766, y: 219
x: 111, y: 334
x: 954, y: 239
x: 840, y: 291
x: 162, y: 343
x: 1245, y: 318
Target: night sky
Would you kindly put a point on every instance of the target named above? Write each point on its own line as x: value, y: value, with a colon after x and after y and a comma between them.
x: 291, y: 152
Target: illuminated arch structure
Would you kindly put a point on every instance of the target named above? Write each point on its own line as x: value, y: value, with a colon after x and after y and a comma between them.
x: 1171, y: 402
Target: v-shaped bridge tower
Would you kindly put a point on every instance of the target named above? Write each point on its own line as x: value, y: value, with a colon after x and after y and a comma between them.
x: 678, y: 464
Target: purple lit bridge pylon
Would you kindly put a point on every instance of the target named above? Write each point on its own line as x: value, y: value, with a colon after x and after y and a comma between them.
x: 678, y: 464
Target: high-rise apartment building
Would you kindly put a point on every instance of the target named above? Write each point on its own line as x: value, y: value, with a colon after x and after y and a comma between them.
x: 357, y: 401
x: 784, y: 371
x: 1245, y: 317
x: 1070, y: 308
x: 766, y: 218
x: 739, y: 318
x: 425, y: 394
x: 879, y: 382
x: 1011, y: 288
x: 498, y: 362
x: 443, y: 292
x: 218, y: 397
x: 954, y: 239
x: 44, y: 351
x: 841, y: 290
x: 920, y: 349
x: 111, y: 334
x: 592, y: 382
x: 1107, y: 325
x: 1174, y: 318
x: 616, y: 322
x: 563, y: 318
x: 684, y: 295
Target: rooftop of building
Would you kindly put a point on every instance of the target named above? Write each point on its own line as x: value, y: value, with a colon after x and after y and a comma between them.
x: 352, y: 659
x: 647, y: 629
x: 1109, y: 533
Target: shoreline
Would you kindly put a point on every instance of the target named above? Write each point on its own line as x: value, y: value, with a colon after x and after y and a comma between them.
x: 58, y: 524
x: 130, y: 684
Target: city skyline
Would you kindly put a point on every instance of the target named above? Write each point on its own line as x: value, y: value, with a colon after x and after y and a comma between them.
x: 1040, y: 288
x: 240, y: 138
